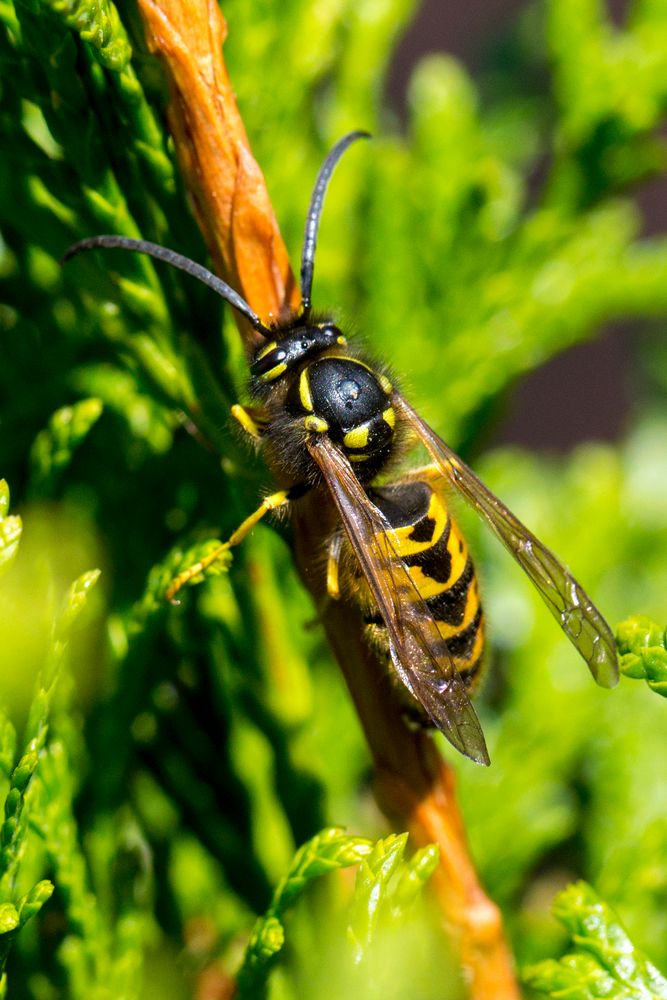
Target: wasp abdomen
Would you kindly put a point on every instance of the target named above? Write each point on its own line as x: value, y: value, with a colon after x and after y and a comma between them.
x: 428, y: 541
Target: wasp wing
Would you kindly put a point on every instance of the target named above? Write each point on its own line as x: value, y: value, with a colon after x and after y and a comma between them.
x: 417, y: 649
x: 566, y: 599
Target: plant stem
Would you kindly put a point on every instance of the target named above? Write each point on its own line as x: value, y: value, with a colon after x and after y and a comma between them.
x: 415, y: 787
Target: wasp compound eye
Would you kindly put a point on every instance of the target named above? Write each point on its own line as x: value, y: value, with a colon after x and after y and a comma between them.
x: 270, y: 363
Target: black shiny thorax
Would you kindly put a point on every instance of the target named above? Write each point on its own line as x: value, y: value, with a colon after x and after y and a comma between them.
x: 344, y: 398
x: 345, y: 392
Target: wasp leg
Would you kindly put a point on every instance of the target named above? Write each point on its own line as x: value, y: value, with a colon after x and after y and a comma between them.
x: 272, y: 502
x: 333, y: 560
x: 252, y: 419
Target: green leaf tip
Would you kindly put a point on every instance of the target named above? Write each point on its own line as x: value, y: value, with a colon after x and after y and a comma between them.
x: 381, y: 863
x: 418, y: 871
x: 9, y: 918
x: 371, y: 891
x: 642, y: 646
x: 97, y: 22
x: 11, y: 528
x: 24, y: 771
x: 54, y: 446
x: 603, y: 961
x: 4, y: 498
x: 268, y: 939
x: 386, y: 886
x: 75, y: 600
x: 327, y: 851
x: 33, y: 901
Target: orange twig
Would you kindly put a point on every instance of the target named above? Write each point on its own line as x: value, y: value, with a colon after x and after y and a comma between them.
x: 414, y: 787
x: 227, y: 187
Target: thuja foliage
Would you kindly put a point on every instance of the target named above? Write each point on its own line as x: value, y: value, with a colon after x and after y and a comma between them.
x: 161, y: 765
x: 603, y: 962
x: 641, y: 644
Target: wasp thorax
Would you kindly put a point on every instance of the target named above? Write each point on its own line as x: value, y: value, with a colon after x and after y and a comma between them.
x: 349, y: 401
x: 292, y: 349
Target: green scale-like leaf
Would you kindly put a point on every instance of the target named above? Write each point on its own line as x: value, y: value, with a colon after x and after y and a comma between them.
x: 643, y: 649
x: 603, y: 963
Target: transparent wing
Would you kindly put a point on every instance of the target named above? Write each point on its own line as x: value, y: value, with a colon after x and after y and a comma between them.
x: 417, y: 650
x: 566, y: 599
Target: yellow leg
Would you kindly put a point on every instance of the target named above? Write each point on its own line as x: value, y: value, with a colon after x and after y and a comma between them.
x: 251, y: 418
x: 333, y: 583
x: 269, y: 503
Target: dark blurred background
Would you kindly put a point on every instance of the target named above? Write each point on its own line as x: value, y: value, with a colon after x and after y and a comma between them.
x: 586, y: 393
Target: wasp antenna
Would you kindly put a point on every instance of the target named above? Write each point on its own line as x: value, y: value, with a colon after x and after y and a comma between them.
x: 315, y: 213
x: 175, y: 260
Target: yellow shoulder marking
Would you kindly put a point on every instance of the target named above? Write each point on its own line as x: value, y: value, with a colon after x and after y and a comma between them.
x: 304, y: 391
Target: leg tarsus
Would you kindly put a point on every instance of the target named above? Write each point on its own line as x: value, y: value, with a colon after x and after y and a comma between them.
x: 272, y: 502
x: 252, y: 419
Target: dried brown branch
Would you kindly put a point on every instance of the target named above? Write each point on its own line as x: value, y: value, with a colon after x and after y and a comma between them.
x: 226, y: 185
x: 414, y: 786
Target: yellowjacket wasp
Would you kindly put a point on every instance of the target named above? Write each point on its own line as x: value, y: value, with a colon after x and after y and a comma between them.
x: 329, y: 421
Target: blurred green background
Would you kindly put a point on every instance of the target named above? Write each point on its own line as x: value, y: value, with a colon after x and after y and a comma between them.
x: 162, y: 764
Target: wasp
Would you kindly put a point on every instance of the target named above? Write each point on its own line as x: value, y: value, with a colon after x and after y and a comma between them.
x: 328, y: 420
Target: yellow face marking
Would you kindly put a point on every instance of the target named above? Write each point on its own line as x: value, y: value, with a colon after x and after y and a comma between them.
x: 385, y: 384
x: 304, y: 391
x: 341, y: 340
x: 266, y: 350
x: 389, y: 417
x: 357, y: 437
x: 273, y: 373
x: 315, y: 424
x: 357, y: 458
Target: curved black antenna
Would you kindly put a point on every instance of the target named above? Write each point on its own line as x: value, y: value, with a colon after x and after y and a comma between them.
x: 315, y: 212
x: 176, y: 260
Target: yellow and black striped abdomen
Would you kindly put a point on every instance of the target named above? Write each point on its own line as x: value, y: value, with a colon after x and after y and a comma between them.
x: 431, y: 546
